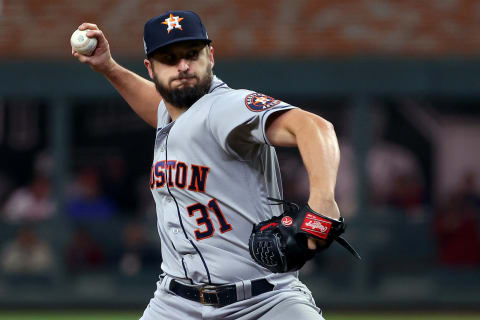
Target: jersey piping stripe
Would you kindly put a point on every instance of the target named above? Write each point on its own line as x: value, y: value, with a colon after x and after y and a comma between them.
x: 219, y: 85
x: 185, y: 271
x: 183, y: 264
x: 168, y: 188
x: 179, y: 215
x: 203, y: 260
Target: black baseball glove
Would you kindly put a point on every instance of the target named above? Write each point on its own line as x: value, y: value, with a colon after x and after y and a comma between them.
x: 280, y: 243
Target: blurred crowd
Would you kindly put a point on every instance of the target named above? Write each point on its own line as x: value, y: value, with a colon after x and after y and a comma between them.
x: 104, y: 222
x: 108, y: 218
x: 108, y: 212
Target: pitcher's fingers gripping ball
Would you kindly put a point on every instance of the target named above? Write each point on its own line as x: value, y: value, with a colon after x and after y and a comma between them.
x: 83, y: 44
x: 280, y: 243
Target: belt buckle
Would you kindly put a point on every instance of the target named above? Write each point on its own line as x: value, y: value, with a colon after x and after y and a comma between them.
x: 208, y: 289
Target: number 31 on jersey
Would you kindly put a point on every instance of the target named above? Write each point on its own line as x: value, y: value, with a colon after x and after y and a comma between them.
x: 204, y: 220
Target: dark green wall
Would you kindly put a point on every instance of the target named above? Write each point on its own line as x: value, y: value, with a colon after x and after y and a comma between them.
x: 356, y: 76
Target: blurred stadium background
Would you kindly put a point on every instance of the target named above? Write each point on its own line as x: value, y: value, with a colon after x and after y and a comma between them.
x: 398, y: 79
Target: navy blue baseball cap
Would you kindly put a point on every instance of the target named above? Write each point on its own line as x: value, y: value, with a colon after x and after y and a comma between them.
x: 171, y: 27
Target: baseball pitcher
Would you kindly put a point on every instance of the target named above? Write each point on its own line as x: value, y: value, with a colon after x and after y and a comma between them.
x: 231, y: 246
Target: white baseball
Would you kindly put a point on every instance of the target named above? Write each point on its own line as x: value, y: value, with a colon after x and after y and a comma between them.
x: 83, y: 44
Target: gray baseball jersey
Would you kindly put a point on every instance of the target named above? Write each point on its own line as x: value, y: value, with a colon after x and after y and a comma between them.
x: 212, y: 172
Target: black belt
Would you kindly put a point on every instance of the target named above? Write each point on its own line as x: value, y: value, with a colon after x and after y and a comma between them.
x: 218, y: 296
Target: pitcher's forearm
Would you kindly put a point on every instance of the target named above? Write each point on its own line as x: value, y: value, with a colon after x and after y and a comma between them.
x: 317, y: 142
x: 139, y: 92
x: 318, y: 147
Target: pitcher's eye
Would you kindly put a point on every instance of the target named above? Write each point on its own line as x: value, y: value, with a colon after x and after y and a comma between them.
x: 192, y: 54
x: 169, y: 59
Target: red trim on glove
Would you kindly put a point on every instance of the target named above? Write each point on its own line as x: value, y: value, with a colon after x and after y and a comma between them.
x: 273, y: 224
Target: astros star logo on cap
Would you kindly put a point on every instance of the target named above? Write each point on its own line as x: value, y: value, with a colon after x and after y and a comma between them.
x: 173, y: 22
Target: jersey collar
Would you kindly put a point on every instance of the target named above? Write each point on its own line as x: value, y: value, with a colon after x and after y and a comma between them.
x: 216, y: 83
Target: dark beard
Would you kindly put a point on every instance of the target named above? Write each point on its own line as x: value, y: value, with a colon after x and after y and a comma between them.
x: 185, y: 97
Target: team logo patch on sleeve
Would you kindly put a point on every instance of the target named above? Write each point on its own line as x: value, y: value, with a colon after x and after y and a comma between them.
x: 258, y: 102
